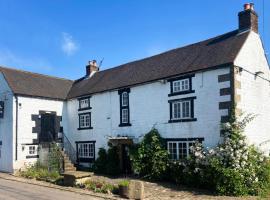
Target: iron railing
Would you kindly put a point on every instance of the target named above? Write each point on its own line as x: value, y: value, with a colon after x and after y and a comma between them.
x: 69, y: 149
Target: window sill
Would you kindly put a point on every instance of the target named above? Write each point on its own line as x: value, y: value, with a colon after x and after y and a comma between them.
x: 85, y: 128
x: 82, y: 109
x: 32, y: 156
x: 180, y: 93
x: 182, y: 120
x: 86, y: 160
x: 123, y: 125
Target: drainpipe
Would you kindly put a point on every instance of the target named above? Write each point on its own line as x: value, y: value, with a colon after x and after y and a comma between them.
x: 16, y: 130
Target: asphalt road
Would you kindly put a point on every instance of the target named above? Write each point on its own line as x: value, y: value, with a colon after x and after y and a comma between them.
x: 11, y: 190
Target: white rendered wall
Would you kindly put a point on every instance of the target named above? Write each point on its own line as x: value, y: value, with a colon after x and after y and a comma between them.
x: 255, y: 92
x: 6, y: 129
x: 149, y: 108
x: 30, y: 106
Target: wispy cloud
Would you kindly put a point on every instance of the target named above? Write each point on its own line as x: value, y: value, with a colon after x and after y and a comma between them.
x: 69, y: 46
x: 9, y: 58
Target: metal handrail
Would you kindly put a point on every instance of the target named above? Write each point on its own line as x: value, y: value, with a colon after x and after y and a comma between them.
x: 69, y: 149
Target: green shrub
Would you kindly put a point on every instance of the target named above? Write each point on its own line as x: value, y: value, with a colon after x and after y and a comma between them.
x: 124, y: 183
x: 113, y: 162
x: 100, y: 187
x: 40, y: 172
x: 100, y: 165
x: 107, y: 162
x: 151, y: 158
x: 55, y: 158
x: 232, y: 168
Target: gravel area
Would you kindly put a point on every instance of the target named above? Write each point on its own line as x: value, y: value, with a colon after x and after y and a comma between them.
x: 156, y: 191
x: 153, y: 191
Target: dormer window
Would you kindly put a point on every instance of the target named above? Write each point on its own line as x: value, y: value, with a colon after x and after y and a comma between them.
x: 181, y: 85
x: 84, y: 103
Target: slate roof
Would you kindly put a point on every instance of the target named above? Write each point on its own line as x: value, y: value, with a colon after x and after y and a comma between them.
x: 38, y: 85
x: 214, y: 52
x: 203, y: 55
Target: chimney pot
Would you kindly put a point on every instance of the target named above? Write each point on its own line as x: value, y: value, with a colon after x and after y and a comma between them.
x: 249, y: 6
x: 91, y: 67
x: 248, y: 19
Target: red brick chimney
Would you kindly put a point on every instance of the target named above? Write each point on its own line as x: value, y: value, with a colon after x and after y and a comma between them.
x: 248, y: 19
x: 91, y: 68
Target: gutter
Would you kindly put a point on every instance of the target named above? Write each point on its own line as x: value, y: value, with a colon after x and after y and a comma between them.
x: 16, y: 129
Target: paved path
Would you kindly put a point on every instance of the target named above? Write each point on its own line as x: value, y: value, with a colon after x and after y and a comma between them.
x: 12, y: 190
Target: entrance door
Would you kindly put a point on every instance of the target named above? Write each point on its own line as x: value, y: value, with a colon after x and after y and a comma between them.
x: 126, y: 159
x: 48, y: 133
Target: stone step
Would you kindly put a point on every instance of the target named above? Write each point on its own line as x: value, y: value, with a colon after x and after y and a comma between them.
x: 70, y: 177
x: 70, y: 169
x: 67, y: 160
x: 69, y: 165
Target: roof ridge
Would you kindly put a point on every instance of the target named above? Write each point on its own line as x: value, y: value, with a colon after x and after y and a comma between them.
x: 188, y: 45
x: 214, y: 52
x: 34, y: 73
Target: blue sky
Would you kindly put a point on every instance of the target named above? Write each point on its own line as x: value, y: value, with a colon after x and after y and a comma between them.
x: 58, y: 37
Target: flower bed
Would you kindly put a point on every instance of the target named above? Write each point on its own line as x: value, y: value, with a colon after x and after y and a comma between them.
x: 100, y: 187
x: 42, y: 173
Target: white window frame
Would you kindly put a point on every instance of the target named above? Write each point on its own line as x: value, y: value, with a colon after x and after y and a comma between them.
x: 184, y: 146
x: 84, y: 103
x: 32, y: 150
x: 124, y: 99
x: 180, y: 110
x: 181, y: 85
x: 85, y: 120
x: 124, y: 115
x: 86, y: 150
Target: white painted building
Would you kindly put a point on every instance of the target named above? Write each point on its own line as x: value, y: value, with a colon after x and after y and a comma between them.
x: 184, y: 93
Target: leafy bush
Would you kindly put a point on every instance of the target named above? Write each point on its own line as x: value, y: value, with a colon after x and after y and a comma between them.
x: 150, y: 161
x: 40, y: 172
x: 107, y: 161
x: 100, y: 165
x: 232, y: 168
x: 55, y: 158
x: 124, y: 183
x: 113, y: 162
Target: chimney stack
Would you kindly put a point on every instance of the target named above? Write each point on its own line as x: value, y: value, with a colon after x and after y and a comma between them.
x: 91, y: 68
x: 248, y: 19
